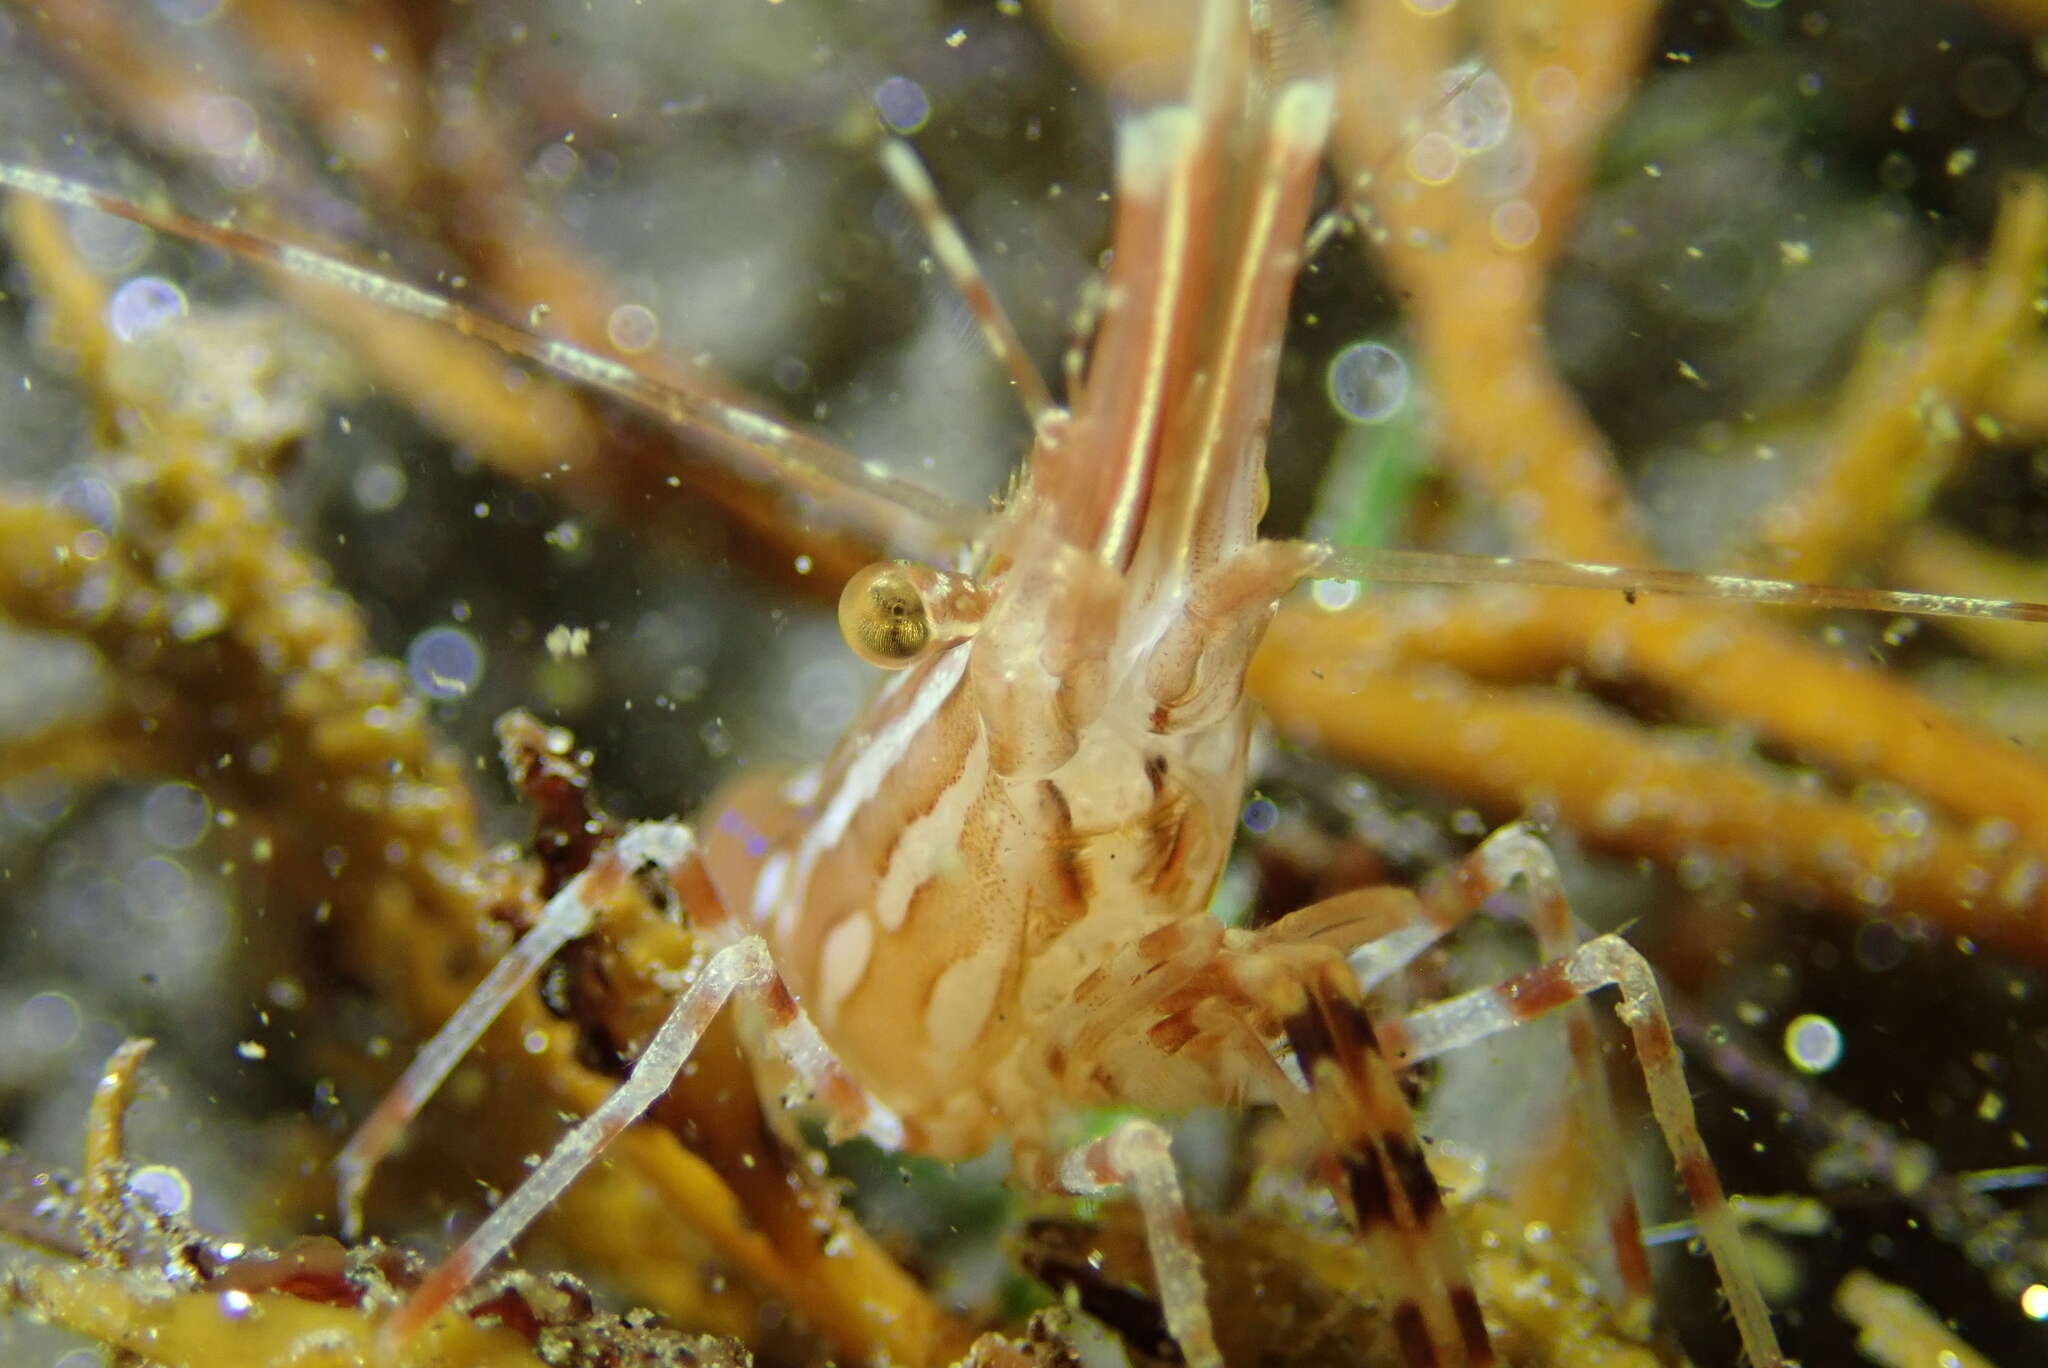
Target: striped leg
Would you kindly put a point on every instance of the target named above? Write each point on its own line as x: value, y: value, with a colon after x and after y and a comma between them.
x: 1136, y: 1156
x: 567, y: 915
x: 1376, y: 1166
x: 1384, y: 930
x: 1605, y: 962
x: 743, y: 968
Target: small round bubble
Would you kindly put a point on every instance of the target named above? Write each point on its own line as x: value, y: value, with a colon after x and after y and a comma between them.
x: 165, y: 1189
x: 1813, y: 1043
x: 1368, y: 382
x: 46, y: 1023
x: 143, y: 305
x: 444, y: 662
x: 633, y: 328
x: 1480, y: 112
x: 175, y: 816
x: 1433, y: 160
x: 1259, y: 816
x: 902, y: 104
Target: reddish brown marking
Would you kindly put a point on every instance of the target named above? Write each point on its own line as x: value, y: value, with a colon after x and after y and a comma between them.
x: 691, y: 886
x: 1418, y: 1184
x: 1532, y: 994
x: 1624, y: 1228
x: 1654, y: 1043
x: 1056, y: 1059
x: 1394, y: 1041
x: 1309, y: 1036
x: 1171, y: 1033
x: 1413, y: 1333
x: 1372, y: 1197
x: 1353, y: 1027
x: 775, y: 999
x: 929, y: 802
x: 1163, y: 943
x: 1173, y: 844
x: 1471, y: 1327
x: 1702, y: 1184
x: 1155, y: 775
x: 1066, y: 856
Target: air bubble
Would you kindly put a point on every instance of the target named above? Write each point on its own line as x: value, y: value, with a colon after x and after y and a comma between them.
x: 1813, y: 1043
x: 163, y: 1188
x: 1480, y: 112
x: 1259, y: 816
x: 1334, y: 596
x: 902, y: 104
x: 1433, y: 160
x: 1515, y: 225
x: 379, y: 486
x: 1990, y: 87
x: 143, y: 305
x: 633, y: 328
x: 1368, y: 382
x: 46, y: 1024
x: 444, y: 662
x: 175, y: 816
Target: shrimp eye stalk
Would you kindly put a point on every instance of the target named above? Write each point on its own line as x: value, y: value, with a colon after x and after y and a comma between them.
x: 897, y: 613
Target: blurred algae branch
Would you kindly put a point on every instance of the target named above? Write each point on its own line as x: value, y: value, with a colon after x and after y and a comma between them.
x: 1730, y: 285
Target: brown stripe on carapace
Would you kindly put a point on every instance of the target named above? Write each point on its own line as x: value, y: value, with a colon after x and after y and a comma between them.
x: 1411, y: 1171
x: 1074, y: 882
x: 1532, y: 994
x: 1471, y: 1327
x: 1169, y: 851
x: 928, y: 801
x: 1162, y: 942
x: 1169, y: 1034
x: 1365, y: 1177
x: 1413, y: 1332
x: 1155, y: 774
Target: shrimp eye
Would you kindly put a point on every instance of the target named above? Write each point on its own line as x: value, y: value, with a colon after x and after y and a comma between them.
x: 884, y: 617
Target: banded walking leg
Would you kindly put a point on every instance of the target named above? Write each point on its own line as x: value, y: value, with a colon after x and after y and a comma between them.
x: 743, y: 968
x: 1374, y: 1163
x: 1384, y: 933
x: 1609, y: 961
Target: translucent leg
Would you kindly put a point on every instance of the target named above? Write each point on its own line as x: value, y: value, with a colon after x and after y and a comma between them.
x: 568, y: 915
x: 1611, y: 961
x: 743, y: 968
x: 1136, y: 1156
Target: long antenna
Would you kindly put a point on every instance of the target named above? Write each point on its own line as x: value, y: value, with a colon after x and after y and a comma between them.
x: 764, y: 447
x: 759, y: 445
x: 1443, y: 567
